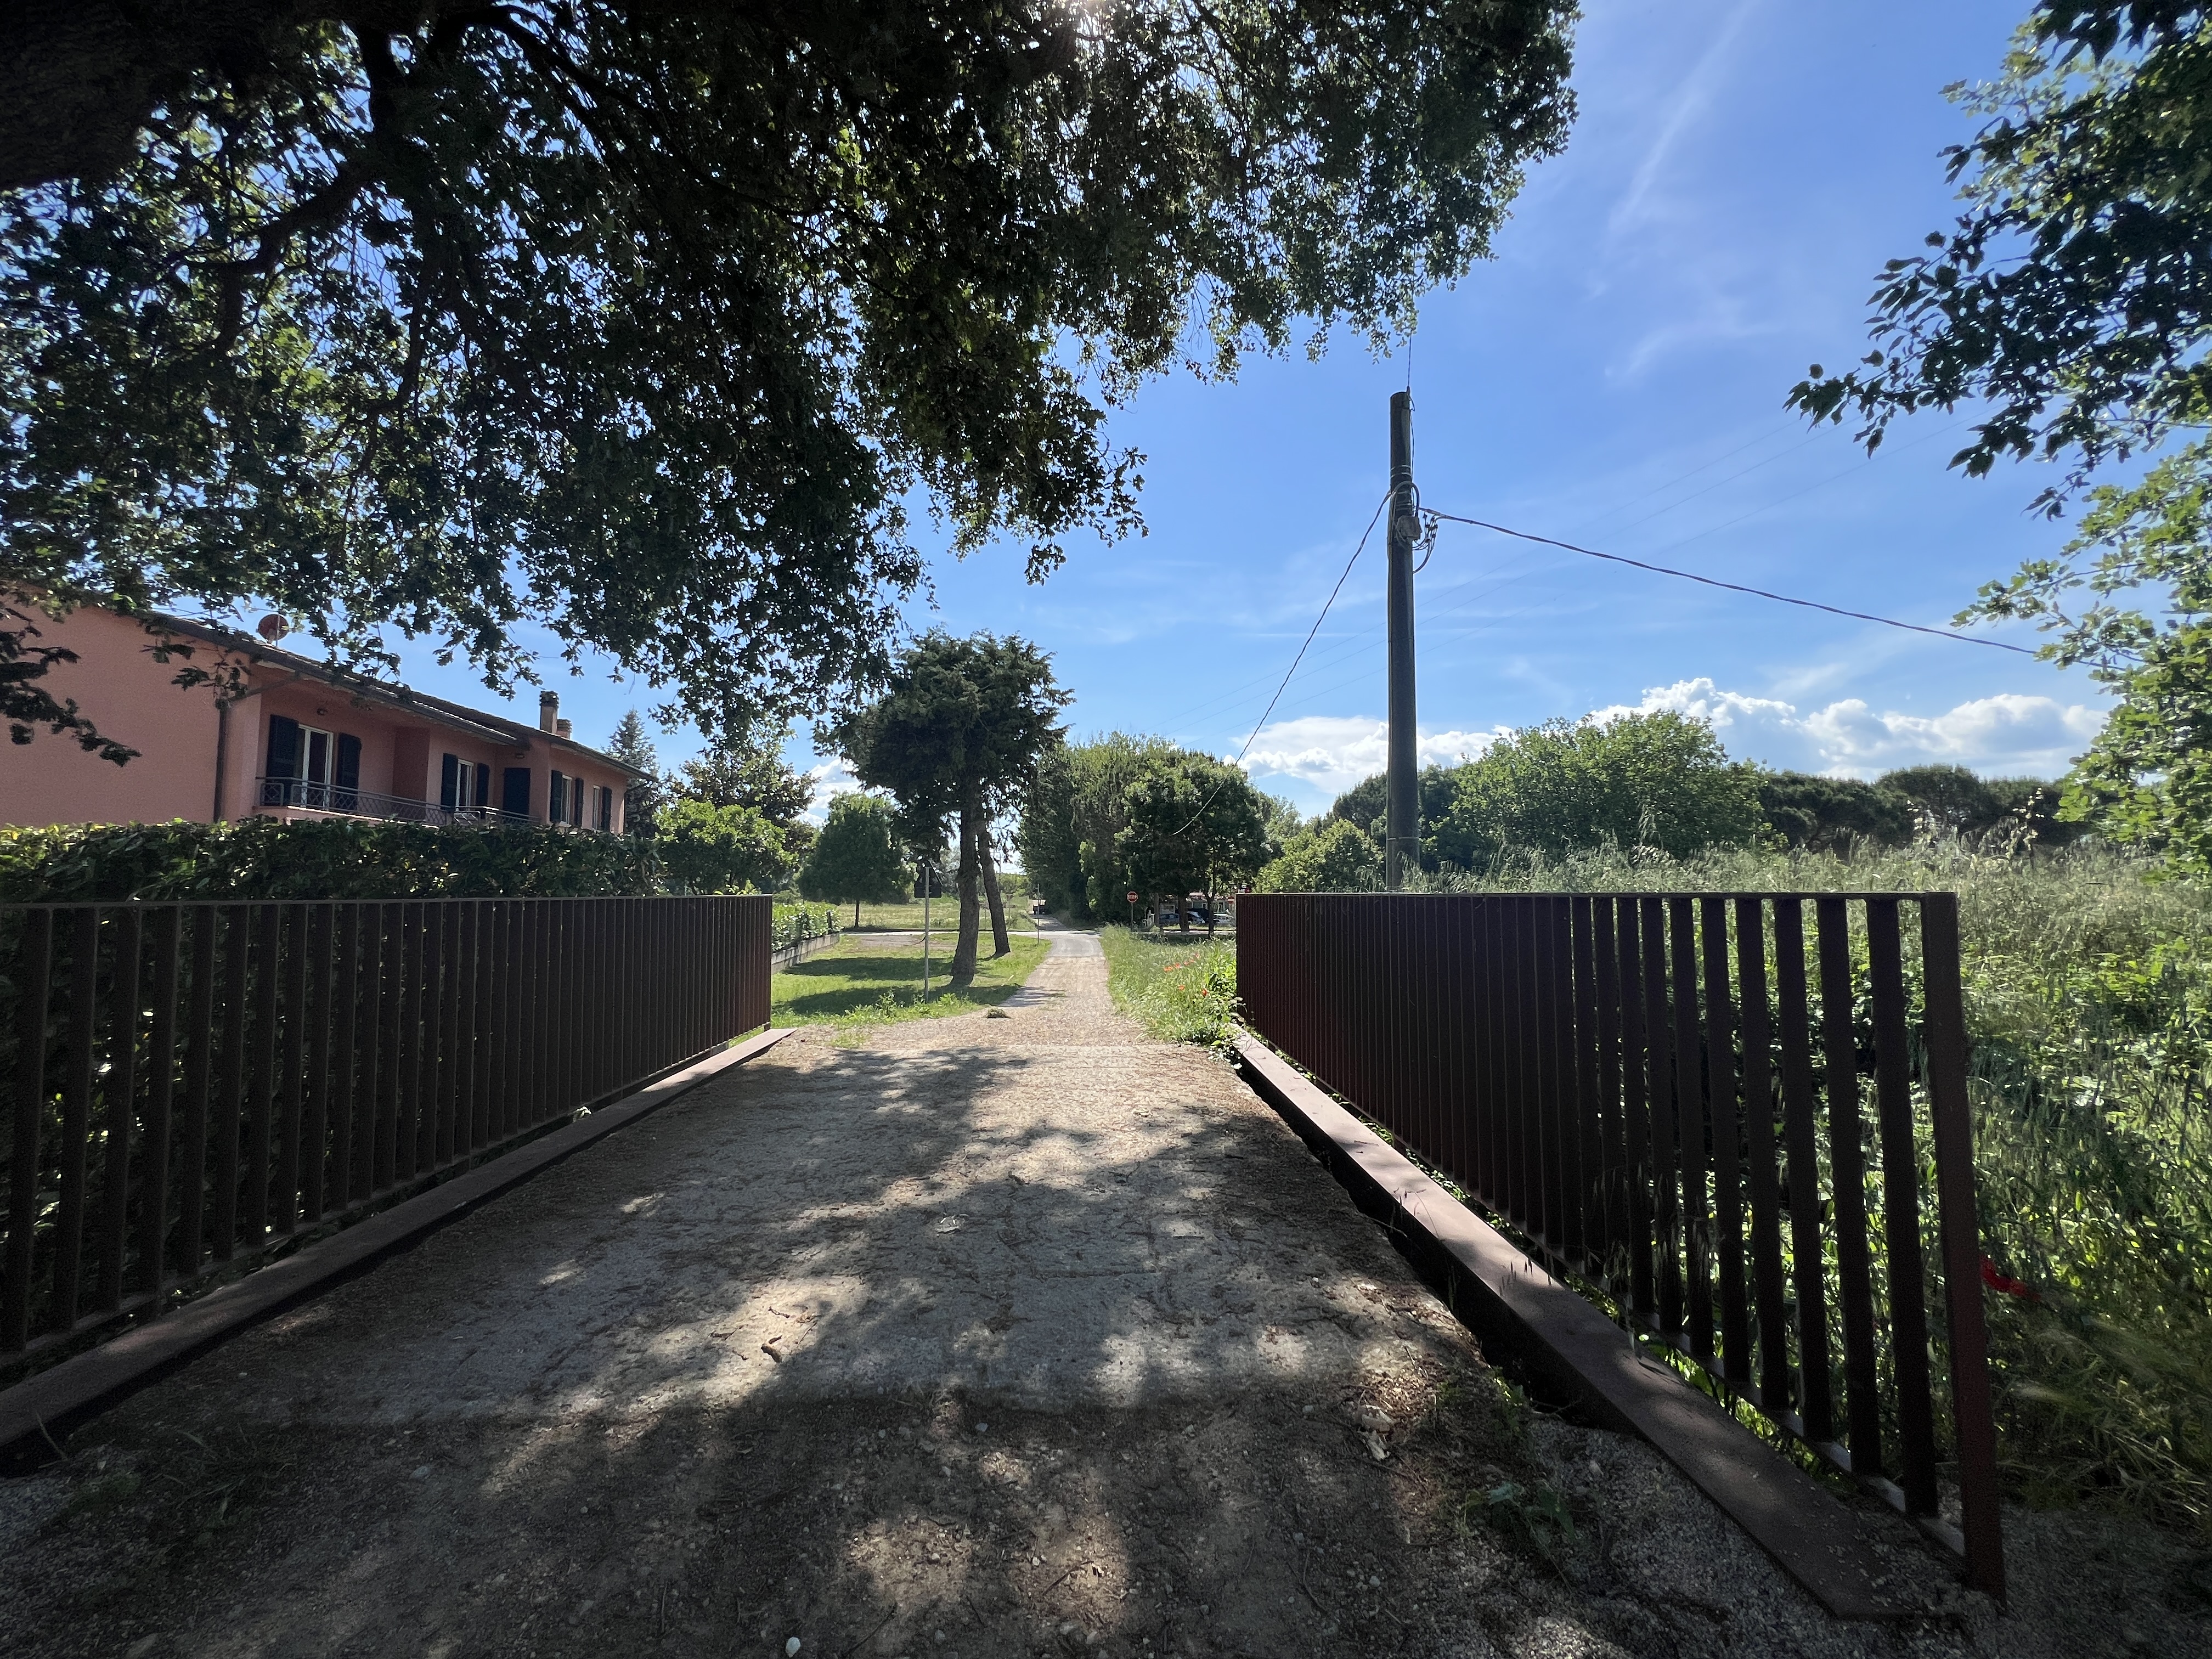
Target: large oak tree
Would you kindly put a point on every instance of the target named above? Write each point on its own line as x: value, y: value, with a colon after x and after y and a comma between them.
x: 645, y: 320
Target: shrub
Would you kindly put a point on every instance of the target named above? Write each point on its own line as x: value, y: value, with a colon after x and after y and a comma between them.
x: 320, y: 858
x: 722, y: 849
x: 1333, y: 856
x: 1659, y: 780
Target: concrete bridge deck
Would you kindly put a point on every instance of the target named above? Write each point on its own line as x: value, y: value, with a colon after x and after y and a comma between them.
x: 981, y: 1337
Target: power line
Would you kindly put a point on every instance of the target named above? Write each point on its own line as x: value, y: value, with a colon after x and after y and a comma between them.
x: 1733, y: 587
x: 1295, y: 661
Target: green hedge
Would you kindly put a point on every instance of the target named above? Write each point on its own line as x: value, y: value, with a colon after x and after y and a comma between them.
x: 797, y: 923
x: 322, y: 858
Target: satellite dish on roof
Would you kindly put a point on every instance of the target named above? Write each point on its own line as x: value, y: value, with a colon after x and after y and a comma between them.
x: 272, y: 628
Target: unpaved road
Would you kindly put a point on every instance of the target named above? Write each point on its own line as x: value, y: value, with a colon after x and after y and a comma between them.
x: 985, y: 1336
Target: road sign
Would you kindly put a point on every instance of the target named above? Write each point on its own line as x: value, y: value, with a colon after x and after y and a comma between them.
x: 1133, y: 899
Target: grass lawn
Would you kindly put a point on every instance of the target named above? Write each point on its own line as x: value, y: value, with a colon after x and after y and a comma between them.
x: 1184, y: 991
x: 860, y: 982
x: 944, y: 912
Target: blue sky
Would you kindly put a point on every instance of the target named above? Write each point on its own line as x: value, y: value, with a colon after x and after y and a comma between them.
x: 1739, y: 170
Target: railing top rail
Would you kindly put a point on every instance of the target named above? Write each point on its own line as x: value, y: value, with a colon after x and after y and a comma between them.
x: 1915, y: 895
x: 12, y: 905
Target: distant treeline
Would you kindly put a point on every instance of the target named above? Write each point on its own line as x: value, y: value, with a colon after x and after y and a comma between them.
x: 1122, y: 814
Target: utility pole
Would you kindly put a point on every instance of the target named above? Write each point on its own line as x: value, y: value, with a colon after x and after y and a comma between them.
x: 1401, y: 845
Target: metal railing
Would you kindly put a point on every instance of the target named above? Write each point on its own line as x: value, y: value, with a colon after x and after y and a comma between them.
x: 368, y: 804
x: 190, y: 1084
x: 1670, y: 1101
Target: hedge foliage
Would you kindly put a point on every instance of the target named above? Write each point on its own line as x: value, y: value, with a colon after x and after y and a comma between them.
x: 324, y: 858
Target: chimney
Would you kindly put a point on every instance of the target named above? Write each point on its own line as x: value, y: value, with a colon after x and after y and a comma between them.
x: 548, y: 710
x: 566, y: 728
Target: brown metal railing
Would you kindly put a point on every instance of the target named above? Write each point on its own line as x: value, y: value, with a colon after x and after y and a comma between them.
x: 1674, y: 1100
x: 190, y: 1083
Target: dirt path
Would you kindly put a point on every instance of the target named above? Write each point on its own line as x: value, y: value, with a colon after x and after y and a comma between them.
x: 993, y: 1335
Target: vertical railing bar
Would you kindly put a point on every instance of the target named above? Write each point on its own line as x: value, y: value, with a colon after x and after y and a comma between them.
x: 1974, y: 1423
x: 1816, y: 1407
x: 77, y: 1112
x: 1612, y: 1193
x: 314, y: 1155
x: 429, y: 1073
x: 200, y: 1057
x: 1764, y: 1177
x: 392, y: 1047
x: 118, y: 1091
x: 293, y: 1093
x: 1847, y: 1170
x: 1590, y: 1179
x: 160, y: 1102
x: 34, y: 989
x: 1666, y: 1115
x: 1638, y: 1067
x: 1690, y: 1129
x: 1727, y: 1140
x: 1900, y: 1194
x: 344, y: 1079
x: 261, y: 1087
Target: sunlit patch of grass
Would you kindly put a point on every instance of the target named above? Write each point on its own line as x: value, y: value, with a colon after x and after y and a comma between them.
x: 860, y: 982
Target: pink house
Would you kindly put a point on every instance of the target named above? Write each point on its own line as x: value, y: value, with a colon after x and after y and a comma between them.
x: 292, y: 737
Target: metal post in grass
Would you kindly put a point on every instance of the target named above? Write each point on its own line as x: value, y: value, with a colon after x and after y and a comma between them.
x: 927, y: 873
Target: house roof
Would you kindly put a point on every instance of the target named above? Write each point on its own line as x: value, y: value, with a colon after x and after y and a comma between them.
x: 364, y: 688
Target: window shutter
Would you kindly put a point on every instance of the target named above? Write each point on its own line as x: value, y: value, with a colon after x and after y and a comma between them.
x: 348, y: 761
x: 556, y: 804
x: 283, y: 759
x: 514, y: 791
x: 482, y: 796
x: 449, y: 782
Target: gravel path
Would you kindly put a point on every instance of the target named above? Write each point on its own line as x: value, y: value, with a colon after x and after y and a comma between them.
x: 1009, y: 1333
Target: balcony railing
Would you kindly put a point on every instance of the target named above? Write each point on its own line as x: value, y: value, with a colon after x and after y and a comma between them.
x: 366, y: 803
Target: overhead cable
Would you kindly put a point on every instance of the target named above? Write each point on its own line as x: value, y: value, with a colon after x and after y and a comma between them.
x: 1733, y: 587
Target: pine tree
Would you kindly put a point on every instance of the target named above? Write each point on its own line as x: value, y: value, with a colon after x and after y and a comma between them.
x: 632, y: 744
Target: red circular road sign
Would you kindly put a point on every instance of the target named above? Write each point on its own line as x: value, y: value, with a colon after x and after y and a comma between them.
x: 1133, y: 899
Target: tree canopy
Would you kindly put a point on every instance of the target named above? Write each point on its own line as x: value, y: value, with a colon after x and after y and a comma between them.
x: 1193, y: 825
x: 2073, y: 297
x: 647, y: 793
x: 747, y: 770
x: 958, y: 734
x: 856, y: 858
x: 1333, y: 856
x: 642, y: 319
x: 1658, y: 780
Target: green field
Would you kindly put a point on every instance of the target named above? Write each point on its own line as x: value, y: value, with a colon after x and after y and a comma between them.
x: 944, y: 912
x: 860, y: 982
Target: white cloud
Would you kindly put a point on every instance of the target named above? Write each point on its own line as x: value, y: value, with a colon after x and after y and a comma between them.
x: 2008, y: 734
x: 829, y: 779
x: 1332, y: 752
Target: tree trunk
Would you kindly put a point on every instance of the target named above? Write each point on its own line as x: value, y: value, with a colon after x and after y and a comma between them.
x: 856, y: 915
x: 963, y: 949
x: 1001, y: 945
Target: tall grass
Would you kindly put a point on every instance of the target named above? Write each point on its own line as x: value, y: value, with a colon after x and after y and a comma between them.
x: 1182, y: 992
x: 2088, y: 986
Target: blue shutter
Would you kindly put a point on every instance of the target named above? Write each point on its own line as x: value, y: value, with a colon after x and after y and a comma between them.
x: 556, y: 804
x: 449, y: 782
x: 284, y: 757
x: 348, y: 761
x: 514, y: 791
